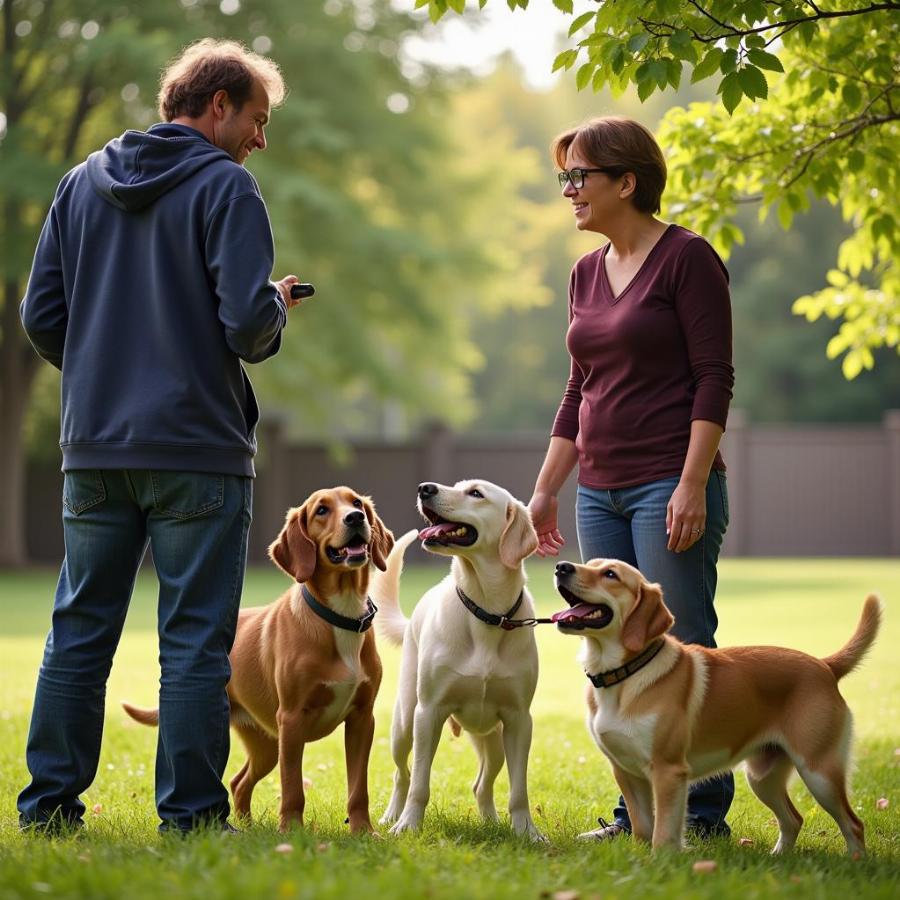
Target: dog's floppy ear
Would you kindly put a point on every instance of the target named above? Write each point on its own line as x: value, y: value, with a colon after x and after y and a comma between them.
x: 649, y: 618
x: 293, y: 550
x: 382, y: 539
x: 519, y: 539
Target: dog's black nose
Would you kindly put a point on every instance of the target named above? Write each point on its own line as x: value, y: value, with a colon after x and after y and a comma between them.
x: 427, y: 489
x: 355, y: 517
x: 564, y: 568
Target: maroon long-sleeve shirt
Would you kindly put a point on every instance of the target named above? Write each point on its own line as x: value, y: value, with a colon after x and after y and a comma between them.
x: 647, y: 363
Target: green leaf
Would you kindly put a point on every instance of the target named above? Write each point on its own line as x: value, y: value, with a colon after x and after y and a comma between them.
x: 856, y: 161
x: 581, y: 21
x: 728, y: 61
x: 851, y: 95
x: 852, y: 364
x: 458, y: 6
x: 646, y: 88
x: 583, y: 76
x: 564, y: 6
x: 637, y: 42
x: 753, y: 82
x: 565, y: 60
x: 764, y: 60
x: 708, y: 65
x: 731, y: 91
x: 785, y: 215
x: 673, y: 73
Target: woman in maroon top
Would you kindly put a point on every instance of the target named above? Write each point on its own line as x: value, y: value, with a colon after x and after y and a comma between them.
x: 647, y: 398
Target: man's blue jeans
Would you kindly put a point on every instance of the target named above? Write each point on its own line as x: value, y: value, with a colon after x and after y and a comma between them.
x: 630, y: 524
x: 196, y: 525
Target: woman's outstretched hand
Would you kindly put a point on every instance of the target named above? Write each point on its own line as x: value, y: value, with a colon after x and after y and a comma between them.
x: 543, y: 509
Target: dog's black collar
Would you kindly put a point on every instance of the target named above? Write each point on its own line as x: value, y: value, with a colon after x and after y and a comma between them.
x: 615, y: 676
x: 506, y: 621
x: 360, y: 625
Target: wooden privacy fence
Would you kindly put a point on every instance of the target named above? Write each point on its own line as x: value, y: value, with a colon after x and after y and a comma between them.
x: 818, y: 490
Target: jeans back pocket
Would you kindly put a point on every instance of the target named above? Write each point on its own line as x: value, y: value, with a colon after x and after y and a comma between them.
x: 186, y: 495
x: 82, y: 489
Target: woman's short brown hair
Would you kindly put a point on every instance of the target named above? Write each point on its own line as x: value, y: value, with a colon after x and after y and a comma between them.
x: 619, y: 145
x: 190, y: 80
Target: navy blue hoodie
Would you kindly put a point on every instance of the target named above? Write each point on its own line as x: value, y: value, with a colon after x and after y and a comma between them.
x: 150, y: 284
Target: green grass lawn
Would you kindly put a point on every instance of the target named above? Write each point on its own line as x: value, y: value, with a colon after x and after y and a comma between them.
x: 812, y: 605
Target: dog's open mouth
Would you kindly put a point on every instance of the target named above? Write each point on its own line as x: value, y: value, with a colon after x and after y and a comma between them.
x: 445, y: 533
x: 581, y: 615
x: 353, y: 553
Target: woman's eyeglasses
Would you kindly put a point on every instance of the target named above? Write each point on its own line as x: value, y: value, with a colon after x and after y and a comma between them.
x: 575, y: 177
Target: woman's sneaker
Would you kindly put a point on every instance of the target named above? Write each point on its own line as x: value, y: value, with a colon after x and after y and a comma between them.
x: 606, y: 832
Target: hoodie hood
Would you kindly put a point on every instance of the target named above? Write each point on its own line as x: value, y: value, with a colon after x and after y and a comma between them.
x: 134, y: 170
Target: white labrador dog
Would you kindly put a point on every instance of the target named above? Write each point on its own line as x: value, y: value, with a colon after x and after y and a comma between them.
x: 459, y: 662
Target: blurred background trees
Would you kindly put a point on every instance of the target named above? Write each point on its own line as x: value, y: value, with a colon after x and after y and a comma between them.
x: 421, y: 202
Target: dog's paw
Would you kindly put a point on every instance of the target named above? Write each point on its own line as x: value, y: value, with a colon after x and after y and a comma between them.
x: 391, y: 814
x: 524, y: 827
x: 407, y: 822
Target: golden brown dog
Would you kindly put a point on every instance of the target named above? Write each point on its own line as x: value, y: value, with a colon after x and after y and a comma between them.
x: 668, y: 714
x: 295, y: 676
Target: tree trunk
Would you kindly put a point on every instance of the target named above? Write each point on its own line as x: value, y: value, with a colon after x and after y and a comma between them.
x: 17, y: 367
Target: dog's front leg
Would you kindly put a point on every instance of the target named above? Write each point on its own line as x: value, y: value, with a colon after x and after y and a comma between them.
x: 516, y: 745
x: 670, y: 788
x: 427, y: 724
x: 290, y: 763
x: 638, y: 796
x: 359, y: 729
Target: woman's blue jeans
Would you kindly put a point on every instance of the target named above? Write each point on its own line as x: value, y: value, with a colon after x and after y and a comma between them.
x: 197, y: 526
x: 630, y: 524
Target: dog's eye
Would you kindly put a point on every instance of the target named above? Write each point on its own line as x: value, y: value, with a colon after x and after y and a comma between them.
x: 475, y: 493
x: 610, y: 573
x: 321, y: 510
x: 357, y: 502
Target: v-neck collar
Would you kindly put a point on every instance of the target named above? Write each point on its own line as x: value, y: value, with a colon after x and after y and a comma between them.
x: 612, y: 298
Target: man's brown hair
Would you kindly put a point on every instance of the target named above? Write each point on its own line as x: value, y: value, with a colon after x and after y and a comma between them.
x: 618, y: 145
x: 190, y: 80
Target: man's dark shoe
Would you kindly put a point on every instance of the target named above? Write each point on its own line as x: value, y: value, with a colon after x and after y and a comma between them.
x: 55, y: 827
x: 170, y: 828
x: 705, y: 831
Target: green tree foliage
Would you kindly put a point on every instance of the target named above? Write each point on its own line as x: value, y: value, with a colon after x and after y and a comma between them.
x: 809, y: 106
x: 782, y: 373
x: 367, y: 191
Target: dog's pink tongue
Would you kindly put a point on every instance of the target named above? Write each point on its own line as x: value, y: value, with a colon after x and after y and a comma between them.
x: 574, y: 612
x: 434, y: 531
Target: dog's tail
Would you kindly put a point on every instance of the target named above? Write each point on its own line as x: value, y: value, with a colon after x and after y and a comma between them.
x: 852, y: 653
x: 144, y: 716
x: 390, y: 623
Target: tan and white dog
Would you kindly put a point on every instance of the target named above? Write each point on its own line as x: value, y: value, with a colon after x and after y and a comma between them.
x: 296, y: 676
x: 667, y: 714
x: 458, y: 663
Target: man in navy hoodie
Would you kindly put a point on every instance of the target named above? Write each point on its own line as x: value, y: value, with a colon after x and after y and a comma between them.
x: 150, y: 284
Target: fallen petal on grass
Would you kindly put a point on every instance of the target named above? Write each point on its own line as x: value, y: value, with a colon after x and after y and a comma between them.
x: 307, y: 783
x: 284, y: 848
x: 97, y: 808
x: 882, y: 803
x: 746, y: 842
x: 705, y: 865
x: 566, y: 895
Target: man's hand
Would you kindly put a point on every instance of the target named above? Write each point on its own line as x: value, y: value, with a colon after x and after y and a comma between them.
x: 284, y: 288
